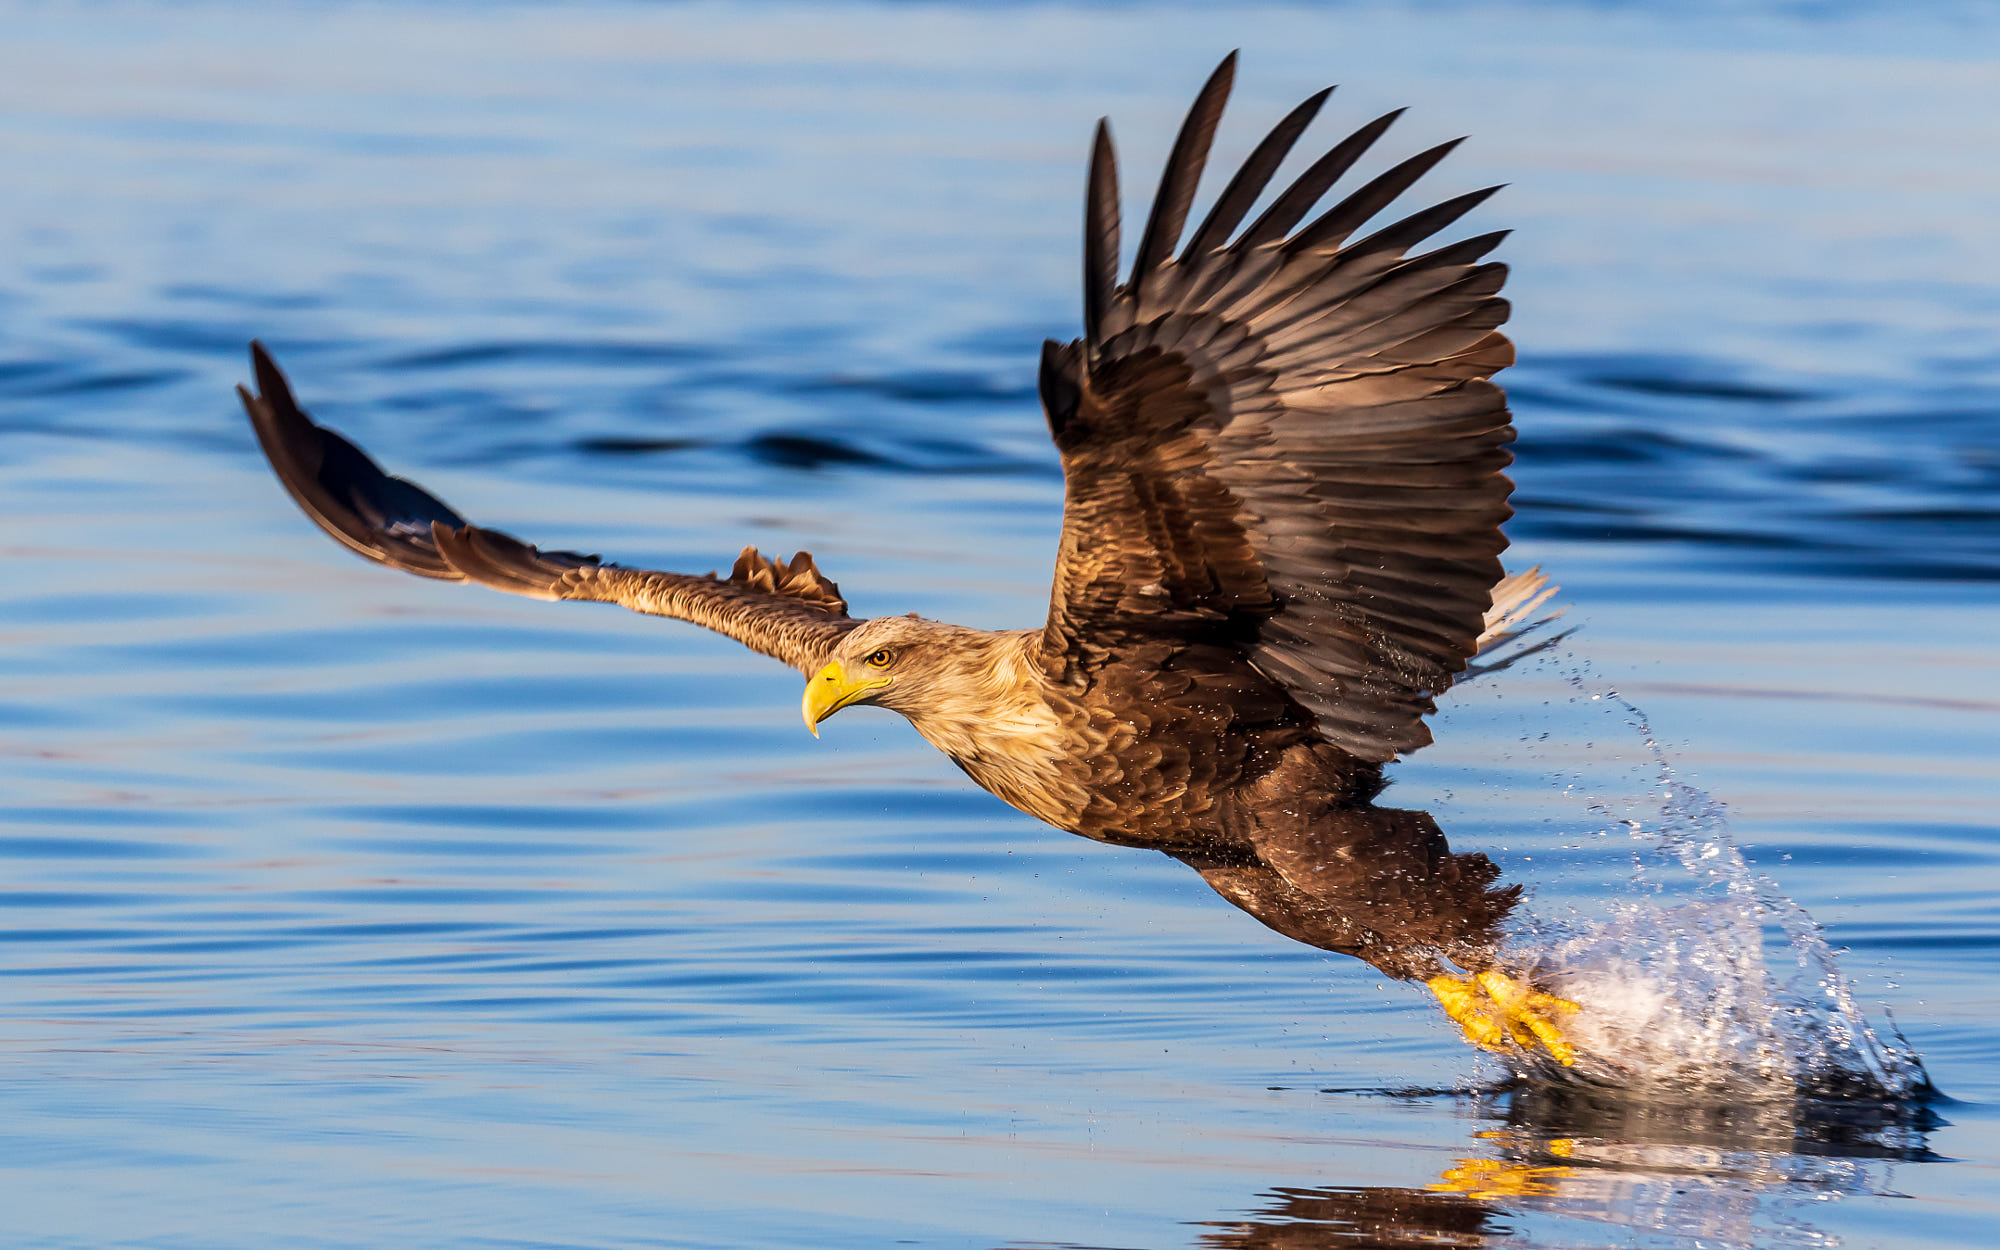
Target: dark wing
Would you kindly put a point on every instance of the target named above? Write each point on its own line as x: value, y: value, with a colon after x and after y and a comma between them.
x: 785, y: 610
x: 1285, y: 439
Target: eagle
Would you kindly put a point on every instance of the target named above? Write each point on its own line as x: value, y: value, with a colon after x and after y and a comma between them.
x: 1283, y: 466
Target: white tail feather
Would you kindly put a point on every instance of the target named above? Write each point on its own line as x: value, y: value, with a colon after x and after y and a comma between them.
x: 1516, y: 598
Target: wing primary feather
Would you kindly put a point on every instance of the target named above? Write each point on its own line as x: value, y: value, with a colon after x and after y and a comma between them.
x: 1305, y: 192
x: 1252, y: 178
x: 1183, y: 174
x: 379, y: 517
x: 1400, y: 237
x: 286, y: 416
x: 1464, y: 252
x: 1100, y: 233
x: 1333, y: 226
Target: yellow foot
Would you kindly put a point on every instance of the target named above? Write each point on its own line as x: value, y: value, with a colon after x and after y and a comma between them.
x: 1495, y: 1009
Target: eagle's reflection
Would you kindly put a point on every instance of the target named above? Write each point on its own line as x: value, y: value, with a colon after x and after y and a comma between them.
x: 1723, y: 1174
x: 1302, y: 1219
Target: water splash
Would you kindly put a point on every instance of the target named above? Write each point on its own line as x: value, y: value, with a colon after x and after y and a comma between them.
x: 1685, y: 986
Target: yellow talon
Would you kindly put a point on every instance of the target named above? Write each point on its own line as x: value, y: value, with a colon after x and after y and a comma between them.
x: 1493, y: 1008
x: 1461, y: 1000
x: 1529, y: 1012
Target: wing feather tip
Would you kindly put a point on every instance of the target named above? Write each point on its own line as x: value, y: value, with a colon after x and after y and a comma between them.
x: 1101, y: 215
x: 1182, y: 175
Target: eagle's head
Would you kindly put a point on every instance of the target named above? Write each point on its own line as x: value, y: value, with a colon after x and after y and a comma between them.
x: 927, y: 670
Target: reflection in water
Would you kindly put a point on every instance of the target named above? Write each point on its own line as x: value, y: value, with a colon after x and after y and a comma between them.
x: 1724, y: 1174
x: 1300, y: 1219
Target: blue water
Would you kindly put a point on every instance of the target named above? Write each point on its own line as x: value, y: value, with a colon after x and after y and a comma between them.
x: 343, y: 909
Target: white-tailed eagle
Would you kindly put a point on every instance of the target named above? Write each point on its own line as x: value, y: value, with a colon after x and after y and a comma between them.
x: 1284, y: 490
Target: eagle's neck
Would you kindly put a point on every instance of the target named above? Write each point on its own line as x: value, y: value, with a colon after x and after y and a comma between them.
x: 992, y: 717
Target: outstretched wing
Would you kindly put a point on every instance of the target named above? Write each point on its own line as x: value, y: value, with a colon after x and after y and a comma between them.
x: 1284, y: 439
x: 785, y: 610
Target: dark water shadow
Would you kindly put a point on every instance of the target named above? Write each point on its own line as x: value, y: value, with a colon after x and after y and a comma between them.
x: 1806, y: 1127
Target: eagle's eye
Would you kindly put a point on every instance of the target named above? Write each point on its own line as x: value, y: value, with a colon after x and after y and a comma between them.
x: 880, y: 659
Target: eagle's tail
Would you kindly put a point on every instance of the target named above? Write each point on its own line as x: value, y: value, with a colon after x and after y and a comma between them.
x: 1517, y: 598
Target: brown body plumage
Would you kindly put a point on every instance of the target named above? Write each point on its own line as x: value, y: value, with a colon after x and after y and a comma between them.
x: 1284, y: 493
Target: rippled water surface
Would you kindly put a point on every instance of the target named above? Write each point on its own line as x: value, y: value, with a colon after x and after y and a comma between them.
x: 344, y: 909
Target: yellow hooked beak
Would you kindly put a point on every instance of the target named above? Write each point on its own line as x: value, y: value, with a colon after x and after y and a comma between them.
x: 831, y: 689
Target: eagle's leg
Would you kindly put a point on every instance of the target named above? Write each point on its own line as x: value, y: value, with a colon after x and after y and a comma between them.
x: 1495, y: 1009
